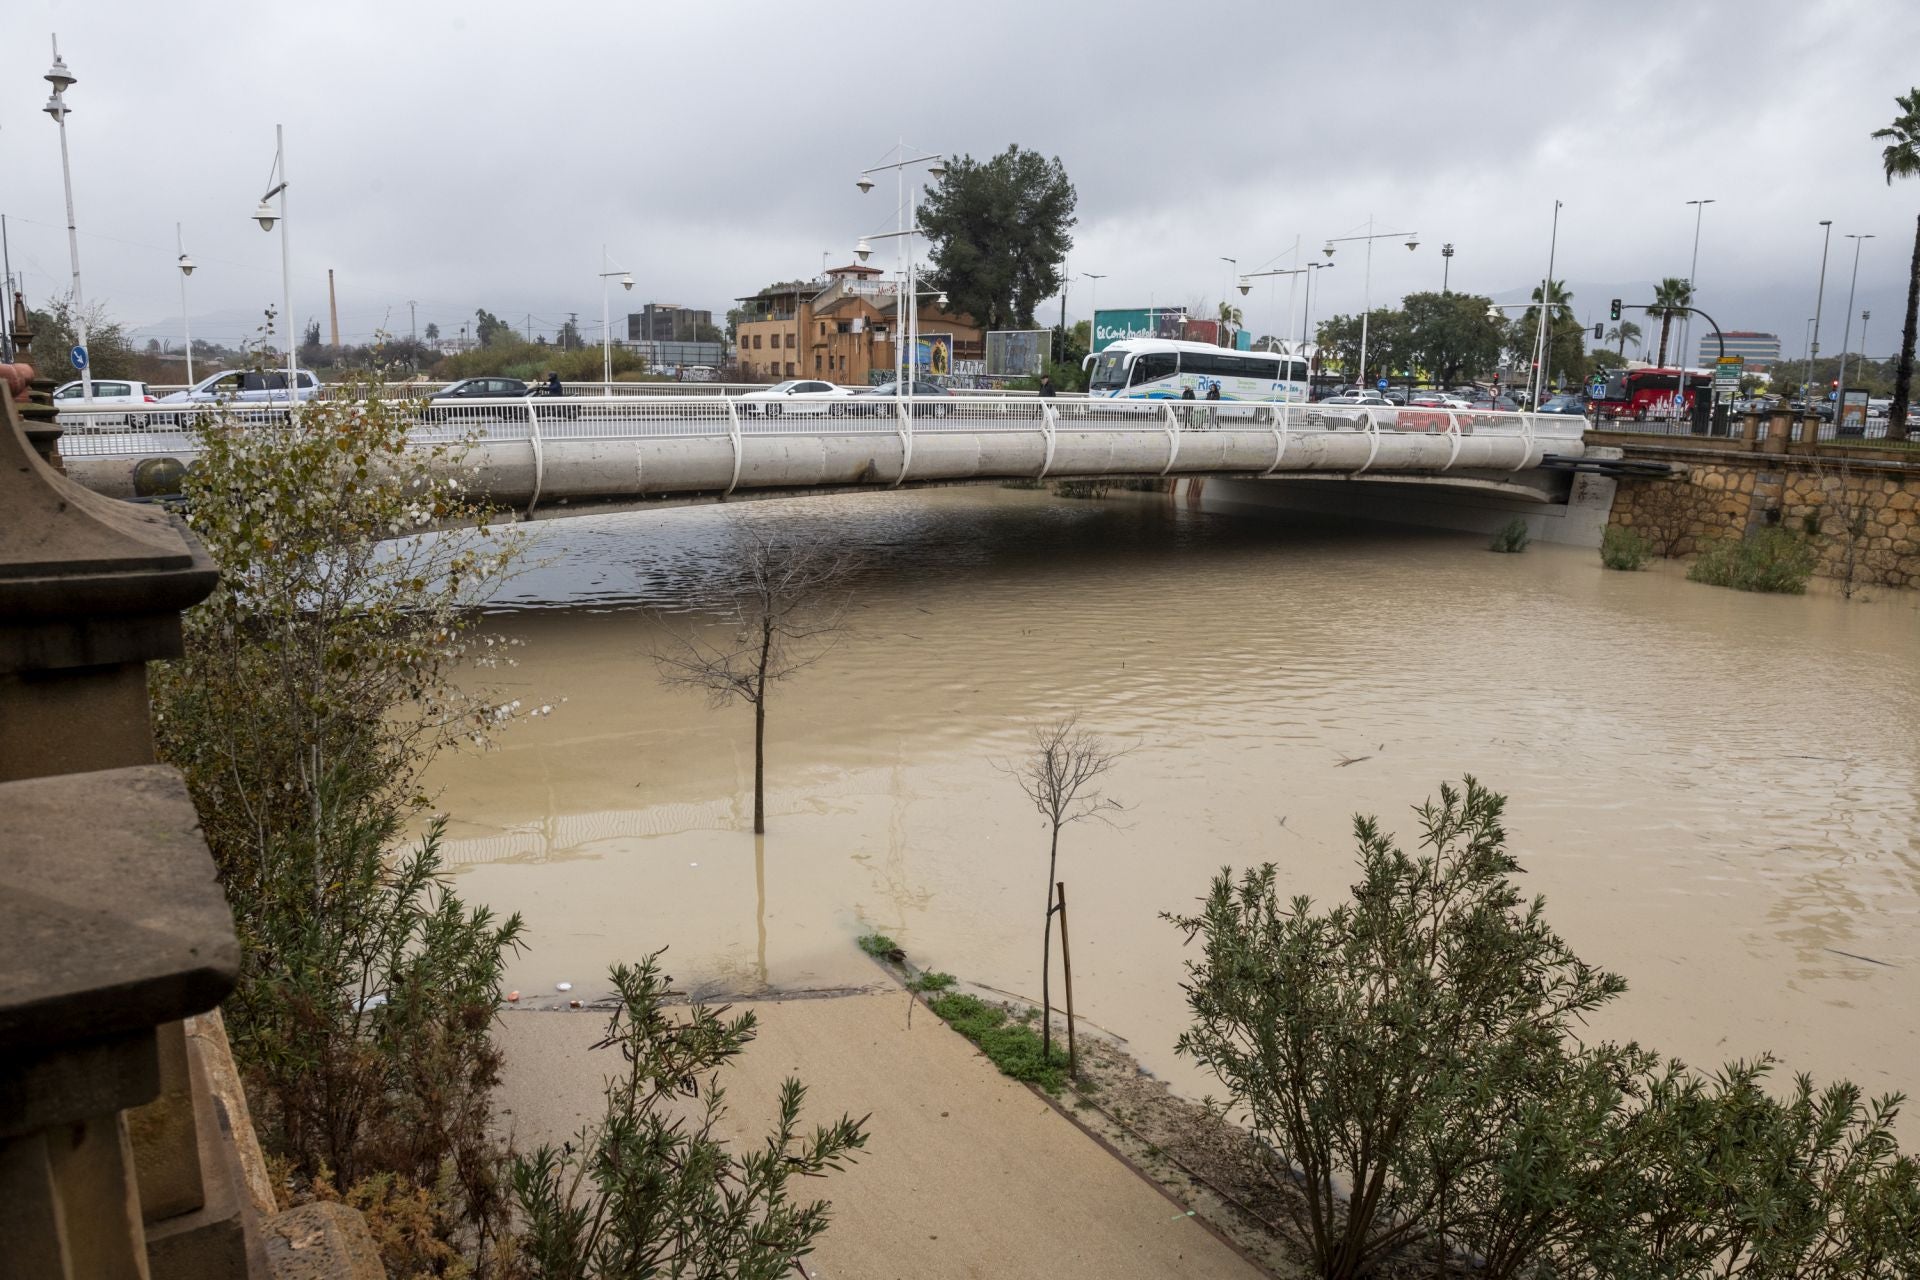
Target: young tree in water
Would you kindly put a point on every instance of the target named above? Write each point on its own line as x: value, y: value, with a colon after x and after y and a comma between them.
x: 785, y: 606
x: 1058, y: 775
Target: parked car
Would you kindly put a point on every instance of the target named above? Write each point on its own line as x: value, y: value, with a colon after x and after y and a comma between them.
x: 246, y: 386
x: 111, y: 391
x: 795, y: 395
x: 1439, y: 400
x: 1349, y: 409
x: 1573, y: 406
x: 469, y: 390
x: 916, y: 389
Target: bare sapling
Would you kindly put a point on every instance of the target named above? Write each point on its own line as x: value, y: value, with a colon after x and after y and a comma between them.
x: 1059, y: 774
x: 783, y: 609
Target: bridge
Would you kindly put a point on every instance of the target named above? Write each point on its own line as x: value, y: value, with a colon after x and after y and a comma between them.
x: 593, y: 450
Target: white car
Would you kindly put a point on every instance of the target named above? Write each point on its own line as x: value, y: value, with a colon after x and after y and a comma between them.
x: 795, y: 395
x: 113, y: 391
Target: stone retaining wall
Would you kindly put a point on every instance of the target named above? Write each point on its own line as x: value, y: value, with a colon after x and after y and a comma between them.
x: 1859, y: 511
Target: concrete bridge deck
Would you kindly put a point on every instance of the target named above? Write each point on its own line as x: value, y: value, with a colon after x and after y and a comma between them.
x: 609, y: 449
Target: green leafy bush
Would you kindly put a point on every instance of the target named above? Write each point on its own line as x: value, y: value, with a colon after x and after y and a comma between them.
x: 1622, y: 548
x: 1413, y: 1064
x: 1767, y: 559
x: 656, y: 1189
x: 314, y: 687
x: 1512, y: 538
x: 878, y: 945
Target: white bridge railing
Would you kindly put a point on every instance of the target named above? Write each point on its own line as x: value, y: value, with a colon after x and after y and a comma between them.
x: 149, y: 430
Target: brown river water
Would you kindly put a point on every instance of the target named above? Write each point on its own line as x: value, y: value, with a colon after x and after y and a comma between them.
x: 1718, y: 793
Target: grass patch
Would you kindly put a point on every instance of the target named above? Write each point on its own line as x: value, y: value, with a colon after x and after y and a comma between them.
x: 1013, y: 1046
x: 879, y: 946
x: 1023, y: 484
x: 932, y: 983
x: 1768, y: 559
x: 1512, y: 538
x: 1081, y: 488
x: 1626, y: 549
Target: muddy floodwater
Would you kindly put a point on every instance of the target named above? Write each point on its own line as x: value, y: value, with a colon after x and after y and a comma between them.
x: 1718, y: 793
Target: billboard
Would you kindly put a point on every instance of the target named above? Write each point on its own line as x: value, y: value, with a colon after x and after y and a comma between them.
x: 1018, y: 353
x: 933, y: 355
x: 1136, y: 322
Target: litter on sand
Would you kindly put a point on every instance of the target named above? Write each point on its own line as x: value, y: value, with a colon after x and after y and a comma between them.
x: 563, y: 986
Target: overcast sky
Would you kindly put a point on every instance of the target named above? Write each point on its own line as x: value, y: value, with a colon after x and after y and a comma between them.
x: 478, y: 154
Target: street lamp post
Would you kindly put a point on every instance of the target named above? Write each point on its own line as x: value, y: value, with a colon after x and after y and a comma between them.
x: 1446, y: 266
x: 1093, y: 308
x: 186, y: 324
x: 1536, y: 377
x: 1846, y: 337
x: 1693, y: 266
x: 1819, y: 300
x: 907, y: 221
x: 606, y: 321
x: 61, y: 79
x: 1306, y: 314
x: 263, y: 214
x: 1366, y: 287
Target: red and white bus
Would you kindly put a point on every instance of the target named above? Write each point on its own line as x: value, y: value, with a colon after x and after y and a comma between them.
x: 1641, y: 394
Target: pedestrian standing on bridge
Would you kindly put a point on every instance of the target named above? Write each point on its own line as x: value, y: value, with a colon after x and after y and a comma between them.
x: 1213, y: 398
x: 1046, y: 386
x: 1186, y: 410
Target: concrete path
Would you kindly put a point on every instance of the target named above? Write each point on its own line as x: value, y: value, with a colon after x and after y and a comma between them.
x: 966, y: 1173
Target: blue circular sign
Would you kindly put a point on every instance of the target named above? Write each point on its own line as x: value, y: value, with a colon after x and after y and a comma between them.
x: 79, y: 357
x: 1382, y: 384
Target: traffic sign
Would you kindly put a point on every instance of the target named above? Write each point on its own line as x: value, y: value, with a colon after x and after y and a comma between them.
x: 1726, y: 373
x: 1382, y: 384
x: 1597, y: 390
x: 79, y: 357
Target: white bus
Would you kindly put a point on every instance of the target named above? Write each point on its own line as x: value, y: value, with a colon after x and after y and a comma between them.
x: 1162, y: 369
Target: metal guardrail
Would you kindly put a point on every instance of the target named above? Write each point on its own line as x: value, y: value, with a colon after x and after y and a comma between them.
x: 106, y: 431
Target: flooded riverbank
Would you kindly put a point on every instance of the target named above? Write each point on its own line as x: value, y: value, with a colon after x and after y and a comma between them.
x: 1718, y: 793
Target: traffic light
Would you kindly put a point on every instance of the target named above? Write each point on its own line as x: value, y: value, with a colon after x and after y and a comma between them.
x: 1615, y: 315
x: 1599, y: 332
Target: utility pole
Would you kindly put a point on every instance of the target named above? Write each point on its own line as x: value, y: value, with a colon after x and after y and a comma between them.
x: 333, y: 312
x: 413, y: 321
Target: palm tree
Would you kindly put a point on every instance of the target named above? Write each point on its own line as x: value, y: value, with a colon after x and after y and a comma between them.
x: 1623, y: 333
x: 1901, y: 159
x: 1671, y: 297
x: 1229, y: 323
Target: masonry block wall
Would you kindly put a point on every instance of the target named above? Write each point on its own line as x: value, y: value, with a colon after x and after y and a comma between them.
x: 1864, y: 509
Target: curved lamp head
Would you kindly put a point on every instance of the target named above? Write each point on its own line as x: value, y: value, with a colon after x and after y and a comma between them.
x: 1329, y: 249
x: 863, y: 250
x: 56, y: 106
x: 942, y: 299
x: 1244, y: 286
x: 1412, y: 245
x: 1493, y: 312
x: 58, y: 76
x: 265, y: 216
x: 938, y: 169
x: 864, y: 183
x: 186, y: 265
x: 626, y: 282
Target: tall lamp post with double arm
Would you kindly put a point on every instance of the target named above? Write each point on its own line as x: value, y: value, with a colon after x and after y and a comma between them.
x: 907, y: 316
x: 1366, y: 287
